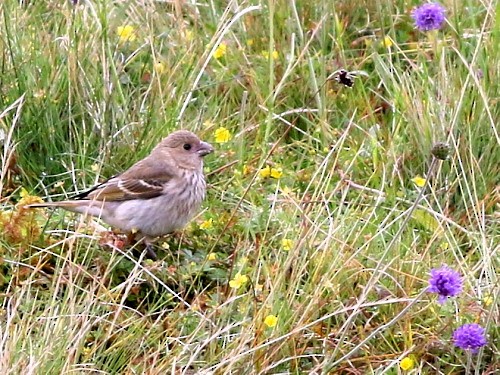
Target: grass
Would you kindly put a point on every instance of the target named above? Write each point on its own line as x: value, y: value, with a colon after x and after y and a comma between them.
x: 338, y: 248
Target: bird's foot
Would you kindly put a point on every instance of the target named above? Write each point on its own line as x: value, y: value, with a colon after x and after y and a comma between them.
x: 150, y: 253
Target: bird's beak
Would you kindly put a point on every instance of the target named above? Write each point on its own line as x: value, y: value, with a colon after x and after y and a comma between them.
x: 205, y: 149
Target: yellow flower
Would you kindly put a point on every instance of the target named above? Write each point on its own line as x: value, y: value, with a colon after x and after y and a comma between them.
x: 276, y: 173
x: 275, y: 55
x: 126, y: 33
x: 159, y: 67
x: 387, y: 42
x: 87, y: 352
x: 222, y: 135
x: 487, y: 301
x: 212, y: 256
x: 246, y: 170
x: 265, y: 172
x: 406, y: 363
x: 286, y: 244
x: 250, y: 42
x: 238, y: 281
x: 419, y: 181
x: 220, y: 50
x: 207, y: 224
x: 271, y: 321
x: 271, y: 172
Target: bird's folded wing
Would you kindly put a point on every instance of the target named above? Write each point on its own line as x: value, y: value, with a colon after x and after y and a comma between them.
x: 118, y: 189
x: 143, y: 180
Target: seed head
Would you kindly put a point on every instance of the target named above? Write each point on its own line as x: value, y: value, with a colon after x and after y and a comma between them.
x: 440, y: 150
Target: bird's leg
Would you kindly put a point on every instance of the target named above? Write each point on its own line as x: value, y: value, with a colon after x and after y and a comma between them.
x: 131, y: 238
x: 150, y: 253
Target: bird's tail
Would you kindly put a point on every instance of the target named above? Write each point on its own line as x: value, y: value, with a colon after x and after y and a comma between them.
x: 63, y: 204
x: 87, y: 207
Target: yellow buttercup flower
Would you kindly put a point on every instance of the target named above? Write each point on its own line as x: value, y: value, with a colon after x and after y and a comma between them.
x: 159, y: 67
x: 286, y: 244
x: 444, y: 246
x: 419, y: 181
x: 406, y: 364
x: 271, y: 321
x: 246, y: 170
x: 126, y: 33
x: 238, y: 281
x: 271, y: 172
x: 275, y: 54
x: 207, y: 224
x: 387, y: 42
x: 222, y: 135
x: 276, y: 173
x: 265, y: 172
x: 487, y: 301
x: 220, y: 50
x: 212, y: 256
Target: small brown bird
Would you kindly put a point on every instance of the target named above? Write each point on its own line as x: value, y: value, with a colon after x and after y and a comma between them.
x: 156, y: 196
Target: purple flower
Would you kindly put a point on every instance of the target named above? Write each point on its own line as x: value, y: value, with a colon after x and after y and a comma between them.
x: 429, y: 16
x: 469, y: 337
x: 445, y: 282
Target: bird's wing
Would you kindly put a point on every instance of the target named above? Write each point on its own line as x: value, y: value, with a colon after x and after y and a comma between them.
x: 144, y: 180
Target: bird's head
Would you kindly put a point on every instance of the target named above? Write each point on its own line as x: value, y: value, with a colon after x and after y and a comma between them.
x: 185, y: 148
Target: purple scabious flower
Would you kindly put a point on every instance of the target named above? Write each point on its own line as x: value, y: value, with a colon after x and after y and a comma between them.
x: 429, y: 16
x: 469, y: 337
x: 445, y: 282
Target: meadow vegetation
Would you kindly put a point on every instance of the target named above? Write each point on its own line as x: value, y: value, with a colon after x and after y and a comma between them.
x: 327, y: 207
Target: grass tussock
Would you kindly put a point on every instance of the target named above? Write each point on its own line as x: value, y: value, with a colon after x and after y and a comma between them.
x: 328, y: 203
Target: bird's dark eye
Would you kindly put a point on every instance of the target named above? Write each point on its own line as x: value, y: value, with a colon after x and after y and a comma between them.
x: 187, y: 146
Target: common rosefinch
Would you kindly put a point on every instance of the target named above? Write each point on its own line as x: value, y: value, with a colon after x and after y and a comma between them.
x: 156, y: 196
